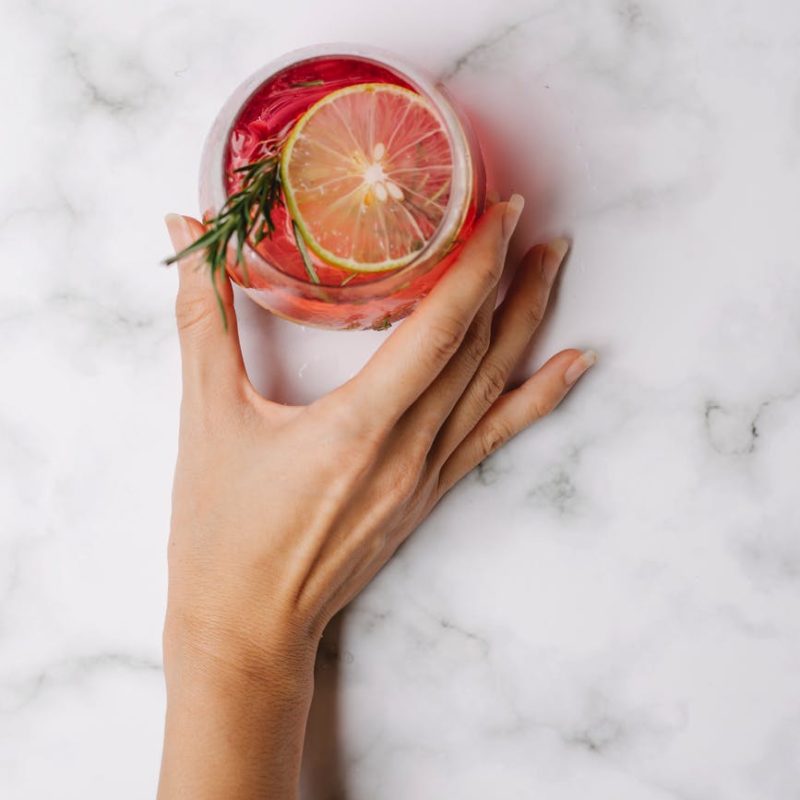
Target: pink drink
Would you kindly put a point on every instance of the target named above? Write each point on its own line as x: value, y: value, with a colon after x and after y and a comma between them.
x: 264, y: 110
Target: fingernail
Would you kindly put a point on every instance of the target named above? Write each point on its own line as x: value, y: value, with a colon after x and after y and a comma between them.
x: 554, y: 255
x: 512, y: 214
x: 178, y: 229
x: 585, y: 360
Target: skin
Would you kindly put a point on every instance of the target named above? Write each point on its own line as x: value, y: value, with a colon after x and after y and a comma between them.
x: 269, y: 540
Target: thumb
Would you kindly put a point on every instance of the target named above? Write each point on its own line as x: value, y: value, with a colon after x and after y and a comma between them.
x: 210, y: 351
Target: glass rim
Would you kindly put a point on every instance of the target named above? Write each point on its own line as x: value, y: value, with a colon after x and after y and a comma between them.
x: 212, y: 167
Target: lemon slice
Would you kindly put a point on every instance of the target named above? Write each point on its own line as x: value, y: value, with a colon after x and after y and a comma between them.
x: 366, y: 174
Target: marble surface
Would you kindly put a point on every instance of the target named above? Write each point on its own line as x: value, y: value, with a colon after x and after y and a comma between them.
x: 610, y: 607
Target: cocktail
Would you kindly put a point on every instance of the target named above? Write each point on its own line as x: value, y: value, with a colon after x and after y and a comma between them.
x: 337, y: 184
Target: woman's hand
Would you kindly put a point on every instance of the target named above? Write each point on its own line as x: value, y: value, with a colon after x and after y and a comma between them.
x: 282, y: 514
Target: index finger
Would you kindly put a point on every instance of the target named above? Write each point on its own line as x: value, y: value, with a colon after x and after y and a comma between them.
x: 210, y: 353
x: 419, y: 349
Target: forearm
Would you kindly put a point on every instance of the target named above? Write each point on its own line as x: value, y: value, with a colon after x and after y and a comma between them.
x: 230, y: 733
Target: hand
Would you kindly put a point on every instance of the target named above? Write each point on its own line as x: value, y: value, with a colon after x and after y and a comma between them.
x: 282, y: 514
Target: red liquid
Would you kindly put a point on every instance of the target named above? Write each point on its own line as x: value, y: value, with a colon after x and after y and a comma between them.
x: 269, y: 114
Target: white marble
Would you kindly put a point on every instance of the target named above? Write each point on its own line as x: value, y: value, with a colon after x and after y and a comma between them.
x: 610, y: 607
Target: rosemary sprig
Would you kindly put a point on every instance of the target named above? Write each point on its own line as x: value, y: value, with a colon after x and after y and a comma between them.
x: 247, y: 214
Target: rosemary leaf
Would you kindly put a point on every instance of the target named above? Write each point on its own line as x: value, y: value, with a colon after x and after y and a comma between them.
x: 247, y: 213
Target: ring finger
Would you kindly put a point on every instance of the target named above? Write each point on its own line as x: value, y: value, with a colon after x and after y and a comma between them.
x: 514, y: 324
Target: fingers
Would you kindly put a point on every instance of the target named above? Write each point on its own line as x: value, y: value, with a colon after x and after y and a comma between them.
x: 421, y: 347
x: 210, y: 353
x: 425, y: 417
x: 515, y: 323
x: 515, y: 411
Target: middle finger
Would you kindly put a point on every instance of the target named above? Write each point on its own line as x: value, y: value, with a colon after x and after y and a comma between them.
x: 514, y: 324
x: 414, y: 355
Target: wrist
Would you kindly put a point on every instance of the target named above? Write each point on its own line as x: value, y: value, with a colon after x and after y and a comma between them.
x: 236, y: 713
x: 231, y: 658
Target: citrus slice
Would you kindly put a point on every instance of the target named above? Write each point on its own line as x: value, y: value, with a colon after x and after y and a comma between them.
x: 366, y: 175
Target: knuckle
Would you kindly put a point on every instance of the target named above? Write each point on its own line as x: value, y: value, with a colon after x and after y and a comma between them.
x: 193, y: 313
x: 484, y: 261
x: 366, y: 433
x: 443, y: 338
x: 534, y: 315
x: 405, y: 478
x: 495, y: 435
x: 543, y: 406
x: 490, y: 259
x: 477, y: 344
x: 493, y: 378
x: 419, y: 446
